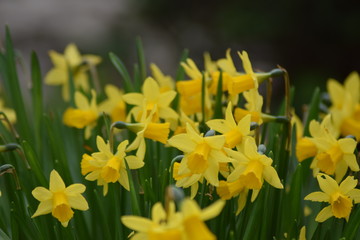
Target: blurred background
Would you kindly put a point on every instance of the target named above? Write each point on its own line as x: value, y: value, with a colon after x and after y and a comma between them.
x: 313, y: 40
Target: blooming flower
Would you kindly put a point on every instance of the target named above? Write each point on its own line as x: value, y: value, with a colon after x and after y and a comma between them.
x: 59, y: 75
x: 166, y: 83
x: 59, y: 200
x: 147, y: 129
x: 333, y: 156
x: 340, y: 197
x: 346, y: 104
x: 253, y: 107
x: 106, y: 167
x: 84, y: 115
x: 151, y: 98
x: 185, y: 225
x: 234, y: 133
x: 251, y: 167
x: 202, y: 156
x: 114, y: 105
x: 227, y: 190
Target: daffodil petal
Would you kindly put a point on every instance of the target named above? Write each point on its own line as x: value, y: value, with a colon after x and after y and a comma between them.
x: 271, y: 176
x: 78, y: 202
x: 42, y: 194
x: 318, y: 197
x: 347, y: 145
x: 324, y: 214
x: 134, y: 99
x: 44, y: 207
x: 76, y: 188
x: 213, y: 210
x: 182, y: 142
x: 139, y: 224
x: 348, y: 184
x: 354, y: 194
x: 158, y: 213
x: 350, y: 160
x: 134, y: 162
x: 56, y: 182
x: 327, y: 184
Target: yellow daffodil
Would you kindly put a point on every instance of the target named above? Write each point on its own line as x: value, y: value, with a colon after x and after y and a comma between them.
x: 10, y: 113
x: 305, y: 148
x: 166, y: 83
x: 253, y: 106
x: 106, y: 167
x: 202, y: 156
x: 59, y: 199
x: 163, y: 225
x: 234, y: 133
x: 346, y: 104
x: 227, y: 190
x: 79, y: 65
x: 114, y: 104
x: 251, y: 167
x: 333, y: 156
x: 193, y: 219
x: 151, y: 98
x: 341, y: 197
x: 147, y: 129
x: 84, y: 115
x: 183, y: 120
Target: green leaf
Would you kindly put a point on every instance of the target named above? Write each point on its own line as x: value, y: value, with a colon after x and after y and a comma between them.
x: 141, y: 59
x: 218, y: 99
x: 3, y: 235
x: 313, y: 110
x: 119, y: 65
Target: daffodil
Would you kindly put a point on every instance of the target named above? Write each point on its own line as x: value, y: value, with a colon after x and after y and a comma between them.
x: 84, y: 115
x: 106, y: 167
x: 147, y: 129
x: 59, y: 199
x: 234, y: 133
x: 151, y: 98
x: 341, y: 197
x: 163, y: 225
x: 166, y: 83
x: 227, y: 190
x: 333, y: 156
x: 79, y: 65
x: 346, y: 104
x: 193, y: 219
x: 253, y: 106
x: 251, y: 167
x: 202, y: 157
x: 114, y: 104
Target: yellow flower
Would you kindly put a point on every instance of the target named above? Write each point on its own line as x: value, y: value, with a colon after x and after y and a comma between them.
x: 241, y: 83
x: 253, y: 107
x: 10, y: 113
x: 341, y: 197
x: 251, y: 167
x: 166, y: 83
x: 147, y: 129
x: 333, y: 156
x: 114, y: 105
x: 305, y: 148
x: 202, y: 156
x: 346, y: 104
x: 84, y: 115
x: 151, y: 98
x: 59, y: 200
x: 106, y: 167
x: 234, y: 133
x: 227, y: 190
x: 194, y: 217
x: 59, y: 75
x: 162, y: 226
x: 183, y: 120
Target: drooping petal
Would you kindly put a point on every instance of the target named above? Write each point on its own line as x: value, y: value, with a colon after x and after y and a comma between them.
x: 350, y: 160
x: 194, y: 190
x: 78, y: 202
x: 42, y: 194
x: 56, y: 182
x: 271, y: 176
x: 124, y: 179
x: 324, y: 214
x: 134, y: 162
x: 318, y: 197
x: 213, y: 210
x: 44, y: 207
x: 242, y: 201
x: 212, y: 172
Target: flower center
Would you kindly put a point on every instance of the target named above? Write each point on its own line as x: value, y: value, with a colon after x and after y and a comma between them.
x: 110, y: 172
x: 227, y: 190
x: 61, y: 208
x: 341, y: 205
x: 252, y: 176
x: 157, y: 131
x: 233, y: 137
x: 198, y: 160
x: 327, y: 161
